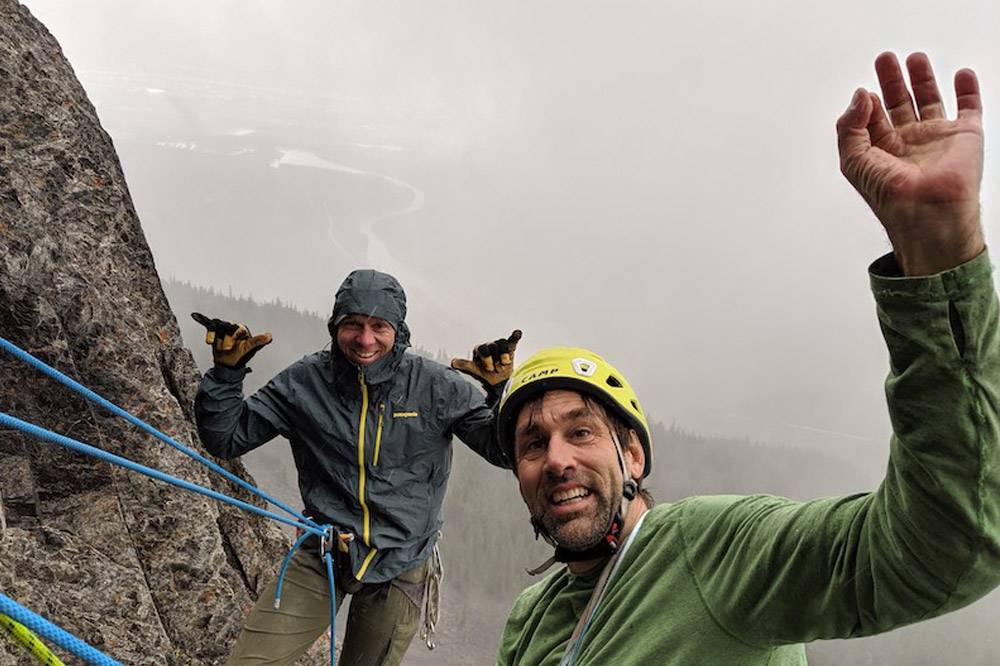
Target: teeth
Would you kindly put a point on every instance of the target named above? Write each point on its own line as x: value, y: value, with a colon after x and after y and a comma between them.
x: 568, y: 495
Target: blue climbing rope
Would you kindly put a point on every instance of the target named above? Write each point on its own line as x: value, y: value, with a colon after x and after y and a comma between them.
x: 56, y: 438
x: 327, y: 533
x: 51, y: 632
x: 37, y: 363
x: 328, y: 558
x: 324, y: 533
x: 284, y: 567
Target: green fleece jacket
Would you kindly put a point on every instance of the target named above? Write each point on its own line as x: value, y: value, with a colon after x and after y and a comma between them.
x: 746, y: 581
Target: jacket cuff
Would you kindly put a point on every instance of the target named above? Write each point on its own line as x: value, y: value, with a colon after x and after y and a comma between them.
x: 888, y: 281
x: 228, y: 375
x: 494, y: 392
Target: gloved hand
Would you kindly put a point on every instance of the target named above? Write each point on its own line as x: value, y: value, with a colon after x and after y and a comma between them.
x: 232, y: 344
x: 491, y: 363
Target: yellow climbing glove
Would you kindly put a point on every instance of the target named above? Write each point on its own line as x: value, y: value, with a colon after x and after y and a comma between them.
x: 492, y: 362
x: 232, y: 344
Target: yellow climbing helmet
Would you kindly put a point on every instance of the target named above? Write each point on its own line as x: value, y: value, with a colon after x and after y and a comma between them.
x: 573, y: 369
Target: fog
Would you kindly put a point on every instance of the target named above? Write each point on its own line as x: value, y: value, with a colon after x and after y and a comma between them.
x: 656, y: 181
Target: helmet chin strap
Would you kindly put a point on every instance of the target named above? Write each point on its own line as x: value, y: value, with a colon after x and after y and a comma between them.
x: 607, y: 545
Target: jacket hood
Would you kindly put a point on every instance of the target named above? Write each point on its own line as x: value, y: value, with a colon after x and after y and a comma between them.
x: 374, y: 294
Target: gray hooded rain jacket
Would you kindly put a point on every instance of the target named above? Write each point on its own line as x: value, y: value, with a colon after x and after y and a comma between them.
x: 373, y: 445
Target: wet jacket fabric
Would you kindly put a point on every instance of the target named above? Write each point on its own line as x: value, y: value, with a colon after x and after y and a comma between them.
x: 745, y: 581
x: 372, y: 445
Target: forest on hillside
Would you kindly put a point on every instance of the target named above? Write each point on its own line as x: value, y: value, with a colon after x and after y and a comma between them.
x: 487, y: 541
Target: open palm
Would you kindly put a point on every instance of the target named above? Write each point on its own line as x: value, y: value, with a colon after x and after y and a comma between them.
x: 920, y: 174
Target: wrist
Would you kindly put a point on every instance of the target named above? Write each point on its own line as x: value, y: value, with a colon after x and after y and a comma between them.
x: 494, y: 391
x: 918, y: 261
x: 940, y: 248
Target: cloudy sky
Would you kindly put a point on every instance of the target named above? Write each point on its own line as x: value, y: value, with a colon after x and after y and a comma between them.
x: 656, y: 181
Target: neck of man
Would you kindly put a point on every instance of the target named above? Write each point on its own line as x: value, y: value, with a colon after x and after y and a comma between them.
x: 636, y: 508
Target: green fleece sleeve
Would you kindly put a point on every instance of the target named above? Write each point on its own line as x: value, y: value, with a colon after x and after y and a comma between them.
x: 927, y: 541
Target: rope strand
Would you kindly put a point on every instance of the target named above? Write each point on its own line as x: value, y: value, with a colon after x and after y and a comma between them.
x: 74, y: 385
x: 39, y: 625
x: 309, y: 527
x: 56, y: 438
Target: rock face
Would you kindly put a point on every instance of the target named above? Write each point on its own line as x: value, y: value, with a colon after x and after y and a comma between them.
x: 145, y: 572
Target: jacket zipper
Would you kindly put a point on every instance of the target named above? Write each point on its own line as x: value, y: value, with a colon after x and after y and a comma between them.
x: 366, y: 516
x: 378, y: 434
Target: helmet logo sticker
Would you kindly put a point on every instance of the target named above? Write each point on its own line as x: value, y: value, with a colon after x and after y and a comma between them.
x: 584, y: 367
x: 538, y: 374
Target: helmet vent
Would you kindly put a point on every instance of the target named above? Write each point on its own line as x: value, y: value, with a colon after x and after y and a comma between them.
x: 636, y: 406
x: 614, y: 381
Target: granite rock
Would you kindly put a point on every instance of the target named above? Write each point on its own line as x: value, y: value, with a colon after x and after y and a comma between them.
x: 148, y: 573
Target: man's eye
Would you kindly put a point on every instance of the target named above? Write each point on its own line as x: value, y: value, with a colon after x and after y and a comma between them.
x: 532, y: 446
x: 582, y: 433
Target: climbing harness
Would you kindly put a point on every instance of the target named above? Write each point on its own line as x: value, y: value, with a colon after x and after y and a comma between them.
x: 327, y: 534
x: 29, y: 641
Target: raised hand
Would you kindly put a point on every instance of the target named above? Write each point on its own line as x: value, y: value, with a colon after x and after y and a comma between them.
x: 919, y: 171
x: 492, y: 362
x: 232, y: 344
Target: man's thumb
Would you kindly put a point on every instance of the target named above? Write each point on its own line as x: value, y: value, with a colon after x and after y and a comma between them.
x: 261, y: 340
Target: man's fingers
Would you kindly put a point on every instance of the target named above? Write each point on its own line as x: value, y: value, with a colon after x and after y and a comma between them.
x: 925, y: 88
x: 894, y: 91
x: 852, y: 132
x: 507, y: 346
x: 967, y: 93
x: 227, y: 342
x: 487, y: 363
x: 490, y: 357
x: 881, y: 133
x: 216, y: 326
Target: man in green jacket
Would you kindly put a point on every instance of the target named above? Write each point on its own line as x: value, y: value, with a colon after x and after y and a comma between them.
x: 370, y: 427
x: 748, y: 580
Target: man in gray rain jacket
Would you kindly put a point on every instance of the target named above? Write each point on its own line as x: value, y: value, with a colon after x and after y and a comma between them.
x: 370, y: 428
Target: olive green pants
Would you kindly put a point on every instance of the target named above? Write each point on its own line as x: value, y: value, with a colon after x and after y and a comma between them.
x: 381, y: 621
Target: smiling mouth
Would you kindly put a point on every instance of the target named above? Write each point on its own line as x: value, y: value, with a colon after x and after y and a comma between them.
x: 365, y: 355
x: 564, y: 497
